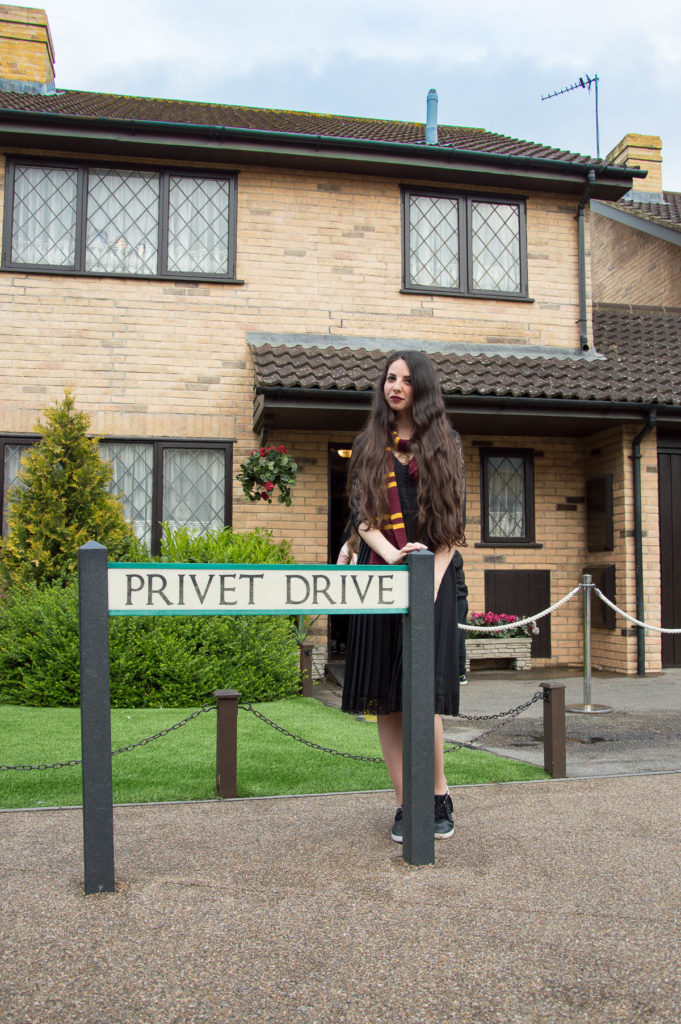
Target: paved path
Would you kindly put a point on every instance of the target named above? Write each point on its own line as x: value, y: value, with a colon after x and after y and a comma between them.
x: 554, y: 903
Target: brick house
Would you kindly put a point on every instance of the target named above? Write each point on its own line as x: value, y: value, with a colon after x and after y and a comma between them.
x: 636, y: 260
x: 208, y: 277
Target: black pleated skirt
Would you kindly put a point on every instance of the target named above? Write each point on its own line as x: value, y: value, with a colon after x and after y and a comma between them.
x: 373, y: 664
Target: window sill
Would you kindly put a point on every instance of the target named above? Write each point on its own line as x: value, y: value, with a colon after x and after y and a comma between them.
x: 176, y: 278
x: 488, y: 296
x: 507, y: 544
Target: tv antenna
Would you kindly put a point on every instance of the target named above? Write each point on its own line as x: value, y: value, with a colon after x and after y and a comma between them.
x: 584, y: 83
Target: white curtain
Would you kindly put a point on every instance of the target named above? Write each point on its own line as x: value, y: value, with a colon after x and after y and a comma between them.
x: 198, y: 226
x: 132, y: 466
x: 44, y: 223
x: 194, y: 488
x: 434, y: 241
x: 495, y: 246
x: 122, y: 222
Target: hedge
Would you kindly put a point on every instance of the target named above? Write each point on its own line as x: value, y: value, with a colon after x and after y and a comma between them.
x: 155, y: 661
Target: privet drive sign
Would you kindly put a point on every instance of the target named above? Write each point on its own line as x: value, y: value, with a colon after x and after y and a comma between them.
x: 225, y: 589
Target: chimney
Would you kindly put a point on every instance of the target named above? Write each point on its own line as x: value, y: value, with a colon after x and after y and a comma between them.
x: 644, y: 151
x: 431, y: 118
x: 26, y: 51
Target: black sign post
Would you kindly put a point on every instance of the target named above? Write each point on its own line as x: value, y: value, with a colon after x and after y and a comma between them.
x: 418, y: 702
x: 160, y: 589
x: 95, y: 719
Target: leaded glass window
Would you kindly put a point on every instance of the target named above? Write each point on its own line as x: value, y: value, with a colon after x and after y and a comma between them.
x: 198, y: 227
x: 12, y: 463
x: 495, y: 247
x: 464, y: 245
x: 184, y: 484
x: 194, y: 488
x: 122, y: 222
x: 508, y: 497
x: 128, y: 222
x: 44, y: 222
x: 133, y: 478
x: 434, y: 241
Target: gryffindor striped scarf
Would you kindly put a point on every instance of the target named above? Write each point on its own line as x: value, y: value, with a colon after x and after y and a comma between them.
x: 393, y: 525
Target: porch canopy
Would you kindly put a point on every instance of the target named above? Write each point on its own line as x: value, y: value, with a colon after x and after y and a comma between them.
x: 315, y: 382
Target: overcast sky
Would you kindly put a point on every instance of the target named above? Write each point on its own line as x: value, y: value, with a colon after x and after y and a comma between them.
x: 491, y: 61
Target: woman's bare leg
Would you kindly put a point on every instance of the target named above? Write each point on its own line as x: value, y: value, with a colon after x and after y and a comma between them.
x: 440, y: 778
x: 390, y: 736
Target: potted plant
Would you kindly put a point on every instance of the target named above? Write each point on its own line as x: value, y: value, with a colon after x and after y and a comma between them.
x: 508, y: 640
x: 264, y: 470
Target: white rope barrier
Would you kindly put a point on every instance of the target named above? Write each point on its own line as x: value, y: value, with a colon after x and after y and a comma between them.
x: 469, y: 627
x: 637, y: 622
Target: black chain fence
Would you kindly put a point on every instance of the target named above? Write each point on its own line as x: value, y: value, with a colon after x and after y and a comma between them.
x: 120, y: 750
x: 502, y: 718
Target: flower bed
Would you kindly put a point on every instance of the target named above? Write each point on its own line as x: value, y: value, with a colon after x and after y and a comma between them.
x: 509, y: 641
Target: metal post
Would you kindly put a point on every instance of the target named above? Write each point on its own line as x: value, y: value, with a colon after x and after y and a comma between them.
x: 554, y: 729
x: 587, y: 707
x: 228, y: 707
x: 418, y: 703
x: 95, y: 719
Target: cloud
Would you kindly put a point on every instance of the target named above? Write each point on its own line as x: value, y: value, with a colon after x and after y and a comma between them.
x: 235, y: 39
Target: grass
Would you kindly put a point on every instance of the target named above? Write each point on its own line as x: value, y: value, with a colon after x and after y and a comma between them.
x: 181, y: 765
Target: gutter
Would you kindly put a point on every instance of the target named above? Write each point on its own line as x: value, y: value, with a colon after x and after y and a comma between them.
x: 638, y: 540
x: 222, y: 134
x: 581, y: 259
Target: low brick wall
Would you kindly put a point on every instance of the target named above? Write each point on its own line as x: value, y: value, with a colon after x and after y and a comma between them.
x: 516, y: 649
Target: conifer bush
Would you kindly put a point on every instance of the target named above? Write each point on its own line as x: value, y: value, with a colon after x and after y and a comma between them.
x: 61, y: 502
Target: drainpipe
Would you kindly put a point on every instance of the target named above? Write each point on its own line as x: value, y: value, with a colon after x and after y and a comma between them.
x: 431, y: 118
x: 583, y: 337
x: 638, y: 541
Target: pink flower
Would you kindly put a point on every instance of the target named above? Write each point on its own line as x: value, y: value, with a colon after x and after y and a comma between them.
x: 269, y: 486
x: 263, y: 451
x: 281, y: 450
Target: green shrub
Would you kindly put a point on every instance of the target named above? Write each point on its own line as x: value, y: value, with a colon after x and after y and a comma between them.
x: 62, y: 501
x: 155, y: 661
x: 254, y: 548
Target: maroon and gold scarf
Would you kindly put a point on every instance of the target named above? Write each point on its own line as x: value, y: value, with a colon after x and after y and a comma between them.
x: 393, y: 525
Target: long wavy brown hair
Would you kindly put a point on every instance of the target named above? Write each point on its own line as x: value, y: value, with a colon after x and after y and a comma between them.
x: 438, y: 451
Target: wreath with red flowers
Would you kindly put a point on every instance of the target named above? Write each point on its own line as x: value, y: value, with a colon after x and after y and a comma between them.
x: 265, y: 469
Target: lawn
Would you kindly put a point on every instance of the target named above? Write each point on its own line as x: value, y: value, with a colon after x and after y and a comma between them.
x: 181, y: 765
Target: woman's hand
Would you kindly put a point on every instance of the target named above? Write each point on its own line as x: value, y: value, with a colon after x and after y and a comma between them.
x: 401, y: 553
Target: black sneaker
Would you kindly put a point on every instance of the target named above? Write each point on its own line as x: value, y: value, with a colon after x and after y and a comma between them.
x: 444, y: 822
x: 396, y: 833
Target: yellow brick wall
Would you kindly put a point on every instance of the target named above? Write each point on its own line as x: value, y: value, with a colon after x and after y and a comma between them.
x: 26, y: 51
x: 631, y: 267
x: 610, y: 452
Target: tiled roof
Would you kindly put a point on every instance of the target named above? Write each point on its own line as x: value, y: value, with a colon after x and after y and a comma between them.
x: 641, y: 346
x: 95, y: 105
x: 666, y: 213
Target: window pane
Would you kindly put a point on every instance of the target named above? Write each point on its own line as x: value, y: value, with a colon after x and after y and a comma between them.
x: 495, y: 246
x: 194, y: 488
x: 434, y: 241
x: 13, y: 453
x: 506, y: 496
x: 122, y: 222
x: 133, y: 478
x: 44, y: 225
x: 198, y: 226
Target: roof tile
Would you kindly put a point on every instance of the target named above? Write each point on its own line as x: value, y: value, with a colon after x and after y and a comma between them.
x: 184, y: 112
x: 641, y: 346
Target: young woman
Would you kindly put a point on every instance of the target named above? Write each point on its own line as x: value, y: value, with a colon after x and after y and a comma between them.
x: 409, y: 449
